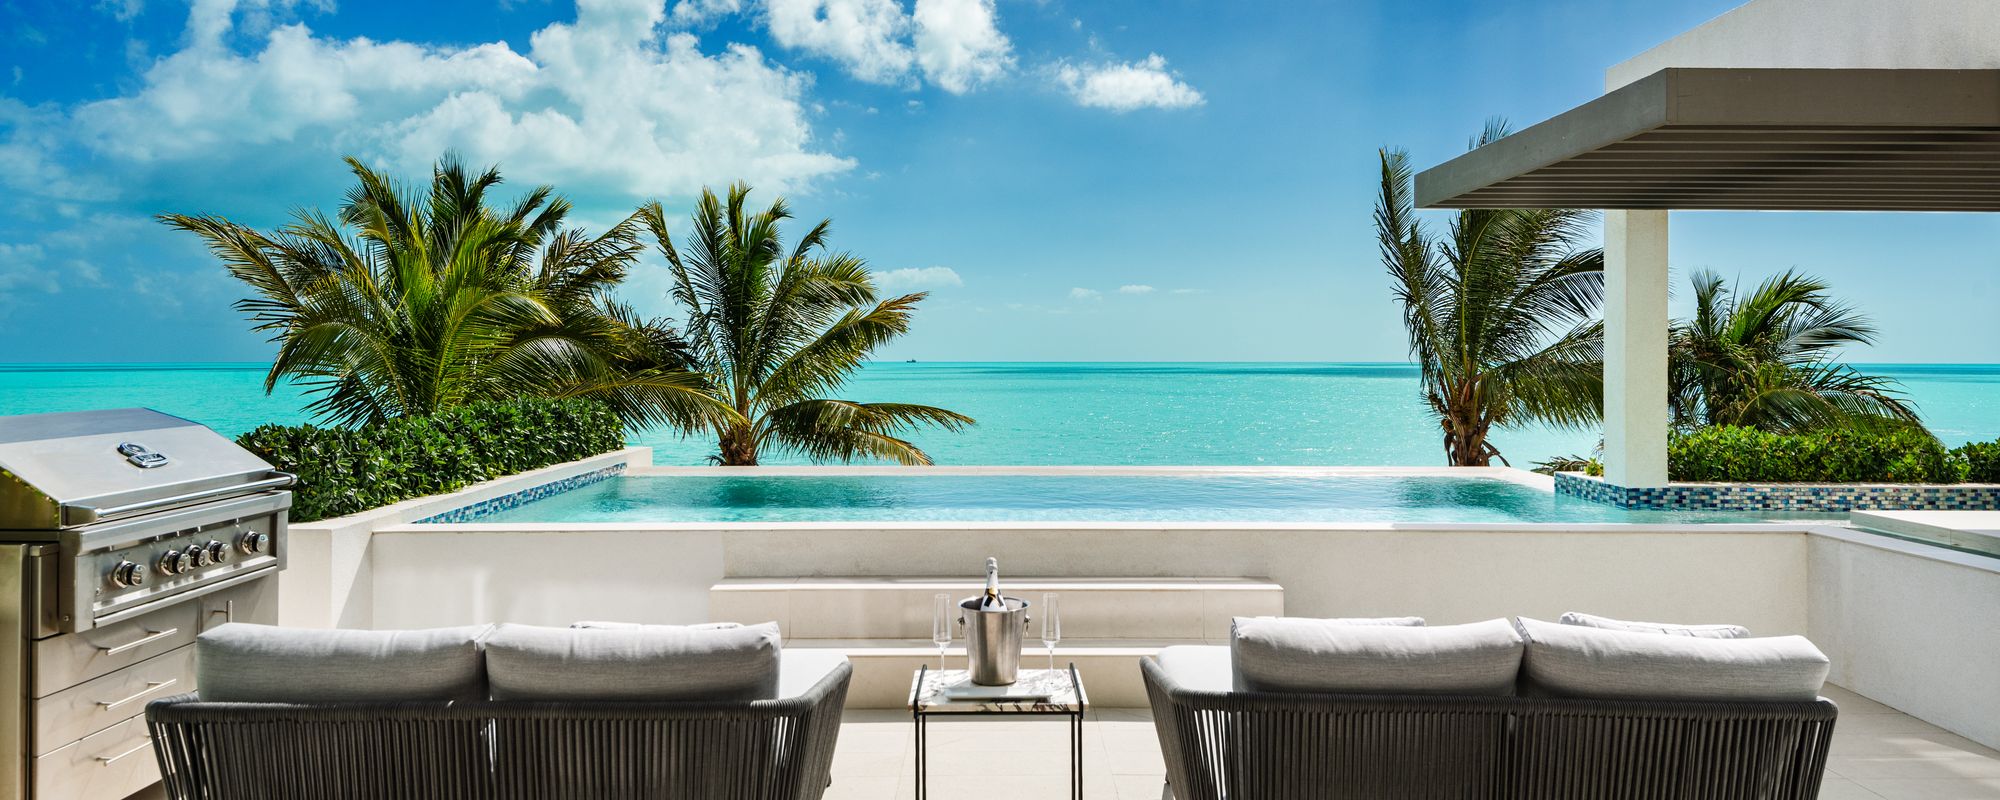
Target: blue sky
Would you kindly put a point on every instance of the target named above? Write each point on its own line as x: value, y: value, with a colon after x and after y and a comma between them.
x: 1168, y: 180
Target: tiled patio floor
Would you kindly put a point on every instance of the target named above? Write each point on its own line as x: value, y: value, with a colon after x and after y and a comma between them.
x: 1878, y: 752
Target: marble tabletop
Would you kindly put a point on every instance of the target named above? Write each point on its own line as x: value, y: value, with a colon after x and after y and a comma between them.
x: 930, y: 693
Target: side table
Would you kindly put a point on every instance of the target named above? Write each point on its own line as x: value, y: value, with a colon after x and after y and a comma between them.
x: 929, y: 698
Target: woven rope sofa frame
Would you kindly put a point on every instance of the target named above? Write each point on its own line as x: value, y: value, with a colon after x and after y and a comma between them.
x: 753, y: 750
x: 1265, y: 746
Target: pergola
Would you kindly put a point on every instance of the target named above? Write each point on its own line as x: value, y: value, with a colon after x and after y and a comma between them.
x: 1727, y: 139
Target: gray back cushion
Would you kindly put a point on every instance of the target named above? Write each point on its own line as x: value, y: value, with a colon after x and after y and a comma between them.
x: 626, y: 626
x: 1669, y: 628
x: 1294, y: 655
x: 244, y: 663
x: 1408, y: 622
x: 1580, y: 661
x: 653, y: 662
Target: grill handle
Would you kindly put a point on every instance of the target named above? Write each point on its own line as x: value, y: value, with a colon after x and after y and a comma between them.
x: 89, y: 514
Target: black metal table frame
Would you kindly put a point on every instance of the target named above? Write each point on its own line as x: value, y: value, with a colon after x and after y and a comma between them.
x: 1075, y: 731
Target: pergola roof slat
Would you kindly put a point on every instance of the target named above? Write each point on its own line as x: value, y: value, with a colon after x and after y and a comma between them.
x: 1780, y: 139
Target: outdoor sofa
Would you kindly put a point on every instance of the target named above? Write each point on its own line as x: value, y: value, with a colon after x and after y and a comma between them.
x: 1499, y: 709
x: 508, y: 711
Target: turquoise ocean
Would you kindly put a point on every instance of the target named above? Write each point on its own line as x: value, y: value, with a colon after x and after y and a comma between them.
x: 1041, y: 414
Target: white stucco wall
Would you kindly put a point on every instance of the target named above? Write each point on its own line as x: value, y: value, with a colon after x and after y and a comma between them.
x: 1832, y: 34
x: 556, y: 574
x: 328, y: 578
x: 1912, y: 626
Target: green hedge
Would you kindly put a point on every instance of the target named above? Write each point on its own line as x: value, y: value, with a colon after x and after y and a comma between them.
x: 1748, y: 455
x: 343, y: 471
x: 1982, y: 461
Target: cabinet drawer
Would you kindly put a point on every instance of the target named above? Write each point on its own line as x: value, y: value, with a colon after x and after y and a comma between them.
x: 72, y: 658
x: 256, y: 601
x: 102, y: 702
x: 113, y: 763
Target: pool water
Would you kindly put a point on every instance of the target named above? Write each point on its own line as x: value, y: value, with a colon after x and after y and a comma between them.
x: 1075, y: 498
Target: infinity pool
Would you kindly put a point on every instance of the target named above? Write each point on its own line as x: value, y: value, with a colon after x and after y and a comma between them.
x: 1080, y: 498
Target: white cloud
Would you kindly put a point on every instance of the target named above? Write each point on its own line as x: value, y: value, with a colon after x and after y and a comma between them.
x: 955, y: 44
x: 601, y: 103
x: 32, y: 135
x: 959, y: 44
x: 867, y: 36
x: 1080, y: 293
x: 697, y: 12
x: 21, y: 271
x: 1127, y: 87
x: 122, y: 10
x: 1190, y: 291
x: 916, y: 278
x: 210, y: 20
x: 1135, y: 288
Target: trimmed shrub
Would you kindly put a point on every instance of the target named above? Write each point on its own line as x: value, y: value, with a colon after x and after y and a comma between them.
x: 347, y: 470
x: 1747, y: 455
x: 1981, y: 460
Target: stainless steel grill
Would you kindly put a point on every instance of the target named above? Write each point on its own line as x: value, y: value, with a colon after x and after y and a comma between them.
x: 123, y: 533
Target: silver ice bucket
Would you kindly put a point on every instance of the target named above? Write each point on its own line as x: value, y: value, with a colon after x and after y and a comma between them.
x: 993, y: 639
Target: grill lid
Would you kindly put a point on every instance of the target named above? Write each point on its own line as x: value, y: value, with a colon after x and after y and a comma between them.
x: 69, y: 469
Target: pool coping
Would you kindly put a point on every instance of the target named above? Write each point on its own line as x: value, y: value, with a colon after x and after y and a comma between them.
x: 458, y: 509
x: 520, y: 484
x: 1533, y: 480
x: 1821, y: 497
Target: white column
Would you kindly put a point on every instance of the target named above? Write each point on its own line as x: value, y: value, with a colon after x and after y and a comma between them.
x: 1635, y: 348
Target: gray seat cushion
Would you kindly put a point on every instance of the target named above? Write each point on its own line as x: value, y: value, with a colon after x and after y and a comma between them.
x: 245, y: 663
x: 654, y: 662
x: 801, y: 668
x: 1280, y: 655
x: 1669, y: 628
x: 1580, y: 661
x: 1201, y: 667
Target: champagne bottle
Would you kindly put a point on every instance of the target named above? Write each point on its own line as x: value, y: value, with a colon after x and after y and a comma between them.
x: 992, y: 601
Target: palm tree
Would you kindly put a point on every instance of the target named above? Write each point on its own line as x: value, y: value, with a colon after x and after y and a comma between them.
x: 407, y: 304
x: 776, y: 330
x: 1501, y: 313
x: 1765, y: 360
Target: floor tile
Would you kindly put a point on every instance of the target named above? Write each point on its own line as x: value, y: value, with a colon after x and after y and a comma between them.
x: 1932, y: 789
x: 1878, y: 753
x: 1836, y: 788
x: 852, y: 788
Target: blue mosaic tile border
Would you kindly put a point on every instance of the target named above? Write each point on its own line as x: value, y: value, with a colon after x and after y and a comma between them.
x: 1784, y: 496
x: 473, y: 512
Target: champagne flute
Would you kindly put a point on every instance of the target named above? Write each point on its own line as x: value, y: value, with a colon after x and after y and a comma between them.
x: 1051, y: 627
x: 941, y: 625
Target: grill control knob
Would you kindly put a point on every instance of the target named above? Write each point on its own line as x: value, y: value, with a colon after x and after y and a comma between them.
x: 172, y: 562
x: 127, y: 573
x: 218, y: 552
x: 253, y: 543
x: 196, y: 556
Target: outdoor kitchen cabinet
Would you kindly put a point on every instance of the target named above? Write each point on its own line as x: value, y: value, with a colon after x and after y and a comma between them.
x: 123, y: 535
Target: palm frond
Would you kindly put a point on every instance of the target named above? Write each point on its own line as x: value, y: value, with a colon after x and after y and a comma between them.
x: 775, y: 328
x: 406, y: 303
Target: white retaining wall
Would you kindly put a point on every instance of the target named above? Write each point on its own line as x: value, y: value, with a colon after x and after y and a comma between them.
x: 1912, y: 626
x: 555, y: 574
x: 329, y: 578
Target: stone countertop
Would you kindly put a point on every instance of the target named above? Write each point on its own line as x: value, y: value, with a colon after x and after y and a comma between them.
x: 930, y: 693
